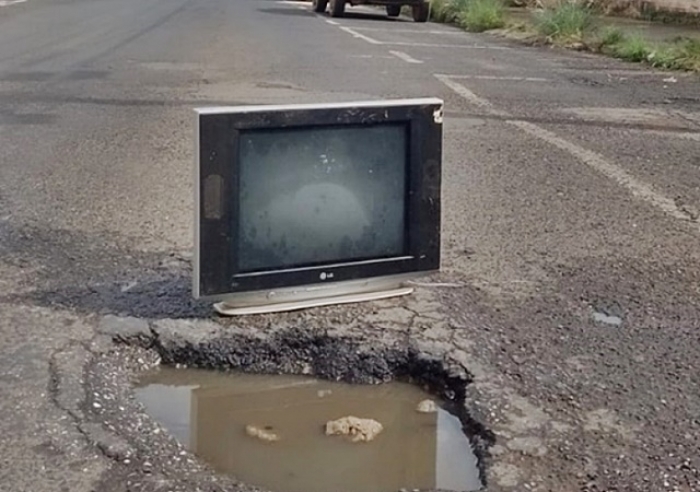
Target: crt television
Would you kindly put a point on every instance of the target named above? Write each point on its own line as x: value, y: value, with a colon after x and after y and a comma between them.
x: 311, y: 204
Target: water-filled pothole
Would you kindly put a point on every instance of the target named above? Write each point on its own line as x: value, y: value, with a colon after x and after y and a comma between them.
x: 270, y: 431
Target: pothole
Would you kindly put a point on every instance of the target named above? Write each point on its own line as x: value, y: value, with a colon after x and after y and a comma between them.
x: 271, y: 431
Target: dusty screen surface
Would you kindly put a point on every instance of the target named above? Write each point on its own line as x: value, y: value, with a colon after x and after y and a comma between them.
x: 321, y: 195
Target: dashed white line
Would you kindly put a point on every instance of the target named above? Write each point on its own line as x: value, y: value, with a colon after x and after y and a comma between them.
x: 356, y: 34
x: 431, y: 45
x: 375, y: 57
x: 371, y: 40
x: 498, y: 77
x: 404, y: 56
x: 410, y: 31
x: 7, y: 3
x: 332, y: 22
x: 594, y: 160
x: 470, y: 97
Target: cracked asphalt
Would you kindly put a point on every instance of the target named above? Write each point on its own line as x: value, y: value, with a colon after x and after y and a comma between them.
x: 563, y: 325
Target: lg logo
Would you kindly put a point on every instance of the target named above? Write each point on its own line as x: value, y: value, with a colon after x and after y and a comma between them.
x: 326, y: 276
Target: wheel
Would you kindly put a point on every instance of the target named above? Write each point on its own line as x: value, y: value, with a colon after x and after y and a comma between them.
x: 319, y: 5
x: 393, y: 10
x: 337, y: 8
x: 420, y: 11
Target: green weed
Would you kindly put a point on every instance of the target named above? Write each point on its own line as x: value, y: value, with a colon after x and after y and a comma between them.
x: 611, y: 36
x: 680, y: 54
x: 568, y: 21
x: 438, y: 10
x: 447, y: 11
x: 687, y: 54
x: 482, y: 15
x: 633, y: 48
x: 571, y: 23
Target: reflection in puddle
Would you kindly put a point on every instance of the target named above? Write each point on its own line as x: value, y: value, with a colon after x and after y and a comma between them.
x: 213, y: 412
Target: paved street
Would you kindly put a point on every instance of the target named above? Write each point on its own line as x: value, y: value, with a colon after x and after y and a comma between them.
x: 571, y: 220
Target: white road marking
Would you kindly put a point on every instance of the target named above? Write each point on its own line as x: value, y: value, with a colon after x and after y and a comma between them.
x: 7, y: 3
x: 432, y: 45
x: 332, y: 22
x: 404, y: 56
x: 356, y: 34
x: 377, y: 57
x: 410, y: 31
x: 371, y: 40
x: 498, y: 77
x: 592, y: 159
x: 470, y: 97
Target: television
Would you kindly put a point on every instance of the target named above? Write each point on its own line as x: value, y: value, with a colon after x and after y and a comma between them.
x: 312, y: 204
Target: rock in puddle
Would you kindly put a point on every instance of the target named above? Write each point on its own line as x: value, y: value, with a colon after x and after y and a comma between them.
x: 427, y: 406
x: 264, y: 434
x: 358, y: 429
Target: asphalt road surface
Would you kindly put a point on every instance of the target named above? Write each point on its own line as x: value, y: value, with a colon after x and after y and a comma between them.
x: 571, y: 200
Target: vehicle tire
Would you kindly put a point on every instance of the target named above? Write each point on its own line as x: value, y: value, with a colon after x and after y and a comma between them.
x: 337, y: 8
x: 319, y: 5
x: 420, y: 11
x: 393, y: 10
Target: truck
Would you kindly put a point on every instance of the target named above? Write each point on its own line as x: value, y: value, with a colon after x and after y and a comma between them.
x: 420, y: 9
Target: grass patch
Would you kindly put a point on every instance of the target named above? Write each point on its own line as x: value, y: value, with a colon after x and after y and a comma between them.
x: 437, y: 10
x: 611, y: 36
x: 633, y: 48
x: 686, y: 54
x: 680, y: 54
x: 482, y: 15
x: 569, y: 21
x: 473, y: 15
x: 573, y: 24
x: 447, y: 11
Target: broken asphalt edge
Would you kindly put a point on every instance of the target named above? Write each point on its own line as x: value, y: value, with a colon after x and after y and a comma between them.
x: 115, y: 423
x: 335, y: 355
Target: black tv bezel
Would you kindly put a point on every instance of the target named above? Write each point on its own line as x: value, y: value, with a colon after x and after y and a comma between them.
x: 218, y: 135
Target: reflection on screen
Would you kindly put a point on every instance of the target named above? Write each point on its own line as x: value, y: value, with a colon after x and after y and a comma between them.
x: 320, y: 195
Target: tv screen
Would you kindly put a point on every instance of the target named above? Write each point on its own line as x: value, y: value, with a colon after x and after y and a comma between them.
x: 312, y: 196
x: 289, y: 197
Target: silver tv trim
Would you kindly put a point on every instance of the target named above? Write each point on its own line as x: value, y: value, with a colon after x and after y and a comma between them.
x: 339, y: 105
x: 197, y: 210
x: 314, y: 295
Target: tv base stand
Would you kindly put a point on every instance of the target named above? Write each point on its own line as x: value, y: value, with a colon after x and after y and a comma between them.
x: 231, y: 309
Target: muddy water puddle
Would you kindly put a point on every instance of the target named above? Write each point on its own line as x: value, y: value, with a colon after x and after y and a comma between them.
x: 271, y: 431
